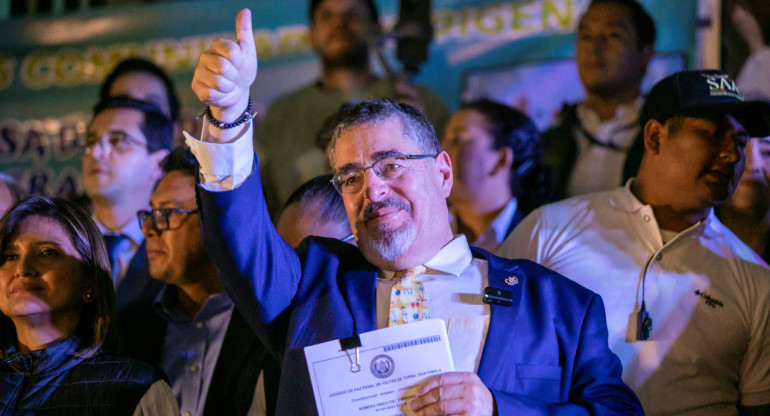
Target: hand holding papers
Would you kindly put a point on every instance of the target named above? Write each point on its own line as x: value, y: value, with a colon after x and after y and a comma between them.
x: 391, y: 362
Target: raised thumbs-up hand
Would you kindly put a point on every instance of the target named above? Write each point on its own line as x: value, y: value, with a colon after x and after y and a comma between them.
x: 226, y: 71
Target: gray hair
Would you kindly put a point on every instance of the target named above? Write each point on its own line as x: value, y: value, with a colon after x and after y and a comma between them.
x: 413, y: 123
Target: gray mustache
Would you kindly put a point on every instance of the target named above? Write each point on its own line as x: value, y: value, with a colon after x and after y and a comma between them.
x: 390, y: 202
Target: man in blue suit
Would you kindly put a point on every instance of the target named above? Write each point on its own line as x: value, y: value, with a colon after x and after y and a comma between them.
x: 126, y: 141
x: 546, y: 353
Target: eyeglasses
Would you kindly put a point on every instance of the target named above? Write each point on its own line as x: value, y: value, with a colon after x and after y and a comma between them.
x: 388, y: 169
x: 118, y: 141
x: 163, y: 218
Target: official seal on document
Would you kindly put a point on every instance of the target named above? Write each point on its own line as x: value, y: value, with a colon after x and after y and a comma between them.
x: 382, y: 366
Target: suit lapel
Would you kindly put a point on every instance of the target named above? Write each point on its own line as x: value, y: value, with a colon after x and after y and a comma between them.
x: 502, y: 322
x: 237, y: 345
x: 360, y: 288
x: 131, y: 284
x: 137, y: 283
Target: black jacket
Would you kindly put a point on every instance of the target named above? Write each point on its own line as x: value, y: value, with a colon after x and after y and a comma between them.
x: 240, y: 360
x: 560, y: 150
x: 55, y: 382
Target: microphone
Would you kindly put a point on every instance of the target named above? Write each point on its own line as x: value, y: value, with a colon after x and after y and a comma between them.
x: 414, y: 32
x: 495, y: 296
x: 643, y: 324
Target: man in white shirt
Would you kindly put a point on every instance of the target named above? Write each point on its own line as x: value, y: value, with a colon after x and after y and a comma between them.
x: 588, y: 148
x: 687, y: 302
x: 545, y: 353
x: 126, y: 142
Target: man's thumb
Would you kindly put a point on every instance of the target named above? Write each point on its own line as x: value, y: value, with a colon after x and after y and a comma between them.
x: 243, y: 31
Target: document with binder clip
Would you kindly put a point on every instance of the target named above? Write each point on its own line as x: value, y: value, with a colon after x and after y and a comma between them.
x: 374, y: 373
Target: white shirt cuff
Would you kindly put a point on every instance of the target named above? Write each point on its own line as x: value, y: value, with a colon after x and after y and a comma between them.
x: 223, y: 166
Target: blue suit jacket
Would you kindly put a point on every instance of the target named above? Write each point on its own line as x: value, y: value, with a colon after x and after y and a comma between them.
x: 545, y: 354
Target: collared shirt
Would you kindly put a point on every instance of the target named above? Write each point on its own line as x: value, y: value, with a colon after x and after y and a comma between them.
x: 454, y: 281
x: 599, y: 168
x: 191, y: 346
x: 493, y: 236
x: 706, y: 292
x: 127, y: 248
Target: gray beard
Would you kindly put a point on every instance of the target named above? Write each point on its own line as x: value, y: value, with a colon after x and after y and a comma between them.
x: 392, y: 245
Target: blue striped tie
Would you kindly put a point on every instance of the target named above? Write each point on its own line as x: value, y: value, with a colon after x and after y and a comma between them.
x: 113, y: 244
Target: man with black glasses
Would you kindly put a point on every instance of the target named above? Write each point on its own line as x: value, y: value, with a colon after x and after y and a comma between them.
x: 211, y: 356
x: 545, y: 352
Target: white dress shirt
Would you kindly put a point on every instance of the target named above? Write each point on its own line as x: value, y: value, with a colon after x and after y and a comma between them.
x: 599, y: 168
x: 454, y: 283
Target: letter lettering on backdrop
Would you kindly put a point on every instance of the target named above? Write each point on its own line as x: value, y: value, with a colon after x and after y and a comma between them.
x: 37, y: 70
x: 68, y: 68
x: 67, y: 184
x: 561, y: 11
x: 10, y: 136
x: 67, y: 138
x: 489, y: 20
x: 521, y: 16
x: 293, y: 40
x: 36, y: 143
x: 7, y: 68
x: 39, y: 179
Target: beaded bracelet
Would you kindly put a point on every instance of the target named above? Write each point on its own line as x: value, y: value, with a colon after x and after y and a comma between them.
x: 246, y: 117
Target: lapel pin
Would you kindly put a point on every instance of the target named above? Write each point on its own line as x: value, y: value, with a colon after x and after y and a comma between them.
x: 511, y: 280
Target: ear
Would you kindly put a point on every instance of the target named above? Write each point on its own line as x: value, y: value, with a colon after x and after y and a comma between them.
x: 653, y: 132
x: 443, y: 166
x: 156, y: 161
x: 504, y: 161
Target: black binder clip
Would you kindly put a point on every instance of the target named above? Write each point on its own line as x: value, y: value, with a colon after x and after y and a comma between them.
x: 351, y: 343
